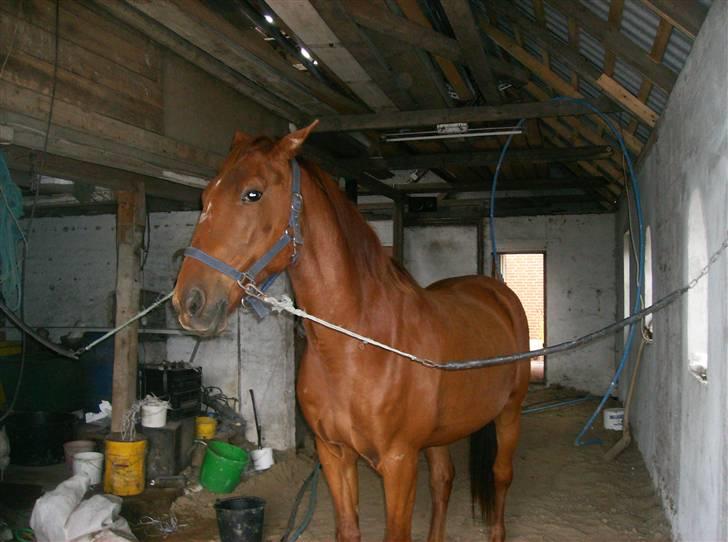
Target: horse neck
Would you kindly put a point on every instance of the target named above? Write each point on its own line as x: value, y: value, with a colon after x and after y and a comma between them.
x: 329, y: 279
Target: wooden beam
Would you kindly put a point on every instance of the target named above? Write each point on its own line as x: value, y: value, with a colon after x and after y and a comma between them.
x: 474, y: 159
x: 555, y: 47
x: 130, y: 222
x: 23, y: 106
x: 503, y: 185
x: 462, y: 21
x: 616, y: 8
x: 688, y: 15
x: 617, y: 42
x: 480, y: 240
x: 70, y: 143
x: 640, y: 109
x: 431, y: 117
x: 544, y: 73
x: 398, y: 232
x: 247, y: 54
x: 340, y: 23
x: 114, y: 179
x: 413, y: 11
x: 172, y: 41
x: 659, y: 46
x: 415, y: 34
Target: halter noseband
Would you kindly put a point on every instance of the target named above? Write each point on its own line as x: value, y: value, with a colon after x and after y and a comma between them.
x: 292, y: 234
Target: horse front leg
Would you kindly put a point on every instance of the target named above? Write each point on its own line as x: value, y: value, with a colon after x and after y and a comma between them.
x: 442, y: 473
x: 399, y: 473
x: 339, y: 465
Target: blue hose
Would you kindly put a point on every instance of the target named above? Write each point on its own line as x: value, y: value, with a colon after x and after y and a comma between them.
x: 491, y: 210
x: 640, y: 277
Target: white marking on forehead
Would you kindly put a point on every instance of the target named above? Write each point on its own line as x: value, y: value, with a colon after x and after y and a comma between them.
x: 207, y: 213
x: 217, y: 183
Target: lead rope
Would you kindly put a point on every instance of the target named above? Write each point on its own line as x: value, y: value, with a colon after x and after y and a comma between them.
x: 285, y: 304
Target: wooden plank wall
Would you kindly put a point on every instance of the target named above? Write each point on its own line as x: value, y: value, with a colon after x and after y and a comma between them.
x: 104, y: 67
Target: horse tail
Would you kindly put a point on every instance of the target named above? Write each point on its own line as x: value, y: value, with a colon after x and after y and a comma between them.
x: 483, y: 449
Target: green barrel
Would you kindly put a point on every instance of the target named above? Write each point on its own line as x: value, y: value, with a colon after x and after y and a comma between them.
x: 221, y: 468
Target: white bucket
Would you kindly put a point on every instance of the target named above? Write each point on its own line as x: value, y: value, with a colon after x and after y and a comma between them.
x: 89, y: 464
x: 613, y: 419
x: 154, y: 414
x: 262, y: 458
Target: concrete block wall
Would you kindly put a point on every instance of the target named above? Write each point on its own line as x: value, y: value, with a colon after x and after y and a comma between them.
x: 679, y: 420
x: 70, y: 282
x: 580, y: 286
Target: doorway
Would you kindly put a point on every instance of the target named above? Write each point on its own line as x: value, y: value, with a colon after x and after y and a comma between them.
x: 525, y: 274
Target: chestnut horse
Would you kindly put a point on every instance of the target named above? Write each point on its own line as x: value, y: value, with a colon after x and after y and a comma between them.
x: 359, y: 400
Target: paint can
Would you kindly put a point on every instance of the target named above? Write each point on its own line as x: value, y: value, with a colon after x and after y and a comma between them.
x: 73, y: 447
x: 125, y: 470
x: 154, y: 413
x: 262, y: 458
x: 205, y: 427
x: 613, y: 419
x: 90, y: 464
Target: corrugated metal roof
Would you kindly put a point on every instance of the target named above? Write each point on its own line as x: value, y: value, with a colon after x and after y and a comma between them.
x: 592, y: 49
x: 556, y: 22
x: 639, y: 24
x: 657, y: 100
x: 627, y: 76
x: 678, y: 49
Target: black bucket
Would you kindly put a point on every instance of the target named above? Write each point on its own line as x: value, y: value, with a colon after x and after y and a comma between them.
x: 240, y: 519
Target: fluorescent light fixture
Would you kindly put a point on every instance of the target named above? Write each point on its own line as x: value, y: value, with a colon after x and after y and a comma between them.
x: 451, y: 131
x: 268, y: 19
x: 306, y: 54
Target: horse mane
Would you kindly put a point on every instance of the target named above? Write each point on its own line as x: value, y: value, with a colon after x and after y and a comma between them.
x: 364, y: 244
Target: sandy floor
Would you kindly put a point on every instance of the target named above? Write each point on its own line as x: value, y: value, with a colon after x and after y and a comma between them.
x: 560, y: 492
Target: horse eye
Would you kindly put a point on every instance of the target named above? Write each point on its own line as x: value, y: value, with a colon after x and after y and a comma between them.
x: 252, y: 195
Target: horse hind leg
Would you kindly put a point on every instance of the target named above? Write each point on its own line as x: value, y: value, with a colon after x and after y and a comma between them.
x: 442, y: 473
x: 508, y: 426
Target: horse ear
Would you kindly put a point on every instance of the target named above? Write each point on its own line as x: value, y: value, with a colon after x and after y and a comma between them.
x: 240, y: 138
x: 291, y: 144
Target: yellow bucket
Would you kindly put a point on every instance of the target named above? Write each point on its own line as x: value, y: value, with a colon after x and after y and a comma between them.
x: 205, y: 427
x: 125, y: 466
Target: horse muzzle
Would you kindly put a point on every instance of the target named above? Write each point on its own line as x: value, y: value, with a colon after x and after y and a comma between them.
x: 196, y: 313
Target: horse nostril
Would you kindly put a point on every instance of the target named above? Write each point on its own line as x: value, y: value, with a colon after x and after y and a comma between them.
x: 195, y: 301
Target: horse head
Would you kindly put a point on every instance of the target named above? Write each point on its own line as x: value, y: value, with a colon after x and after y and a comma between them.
x: 244, y: 231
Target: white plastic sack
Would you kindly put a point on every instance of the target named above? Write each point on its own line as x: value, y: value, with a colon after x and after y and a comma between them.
x: 62, y: 515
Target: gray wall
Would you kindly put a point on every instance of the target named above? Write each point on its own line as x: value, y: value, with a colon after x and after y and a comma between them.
x: 580, y: 294
x: 680, y: 422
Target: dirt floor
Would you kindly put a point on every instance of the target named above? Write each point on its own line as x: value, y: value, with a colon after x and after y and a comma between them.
x: 560, y: 492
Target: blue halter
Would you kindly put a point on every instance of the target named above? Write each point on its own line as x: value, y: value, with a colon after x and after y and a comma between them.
x: 292, y: 234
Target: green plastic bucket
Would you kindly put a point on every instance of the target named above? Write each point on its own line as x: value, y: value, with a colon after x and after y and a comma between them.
x: 221, y: 468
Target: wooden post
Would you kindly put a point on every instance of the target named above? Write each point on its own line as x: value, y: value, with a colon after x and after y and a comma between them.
x: 398, y: 231
x: 481, y: 246
x: 352, y: 190
x: 130, y: 222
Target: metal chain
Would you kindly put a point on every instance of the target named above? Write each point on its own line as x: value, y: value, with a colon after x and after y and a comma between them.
x: 285, y: 304
x: 711, y: 261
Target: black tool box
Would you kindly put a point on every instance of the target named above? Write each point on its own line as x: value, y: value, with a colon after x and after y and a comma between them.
x: 178, y: 383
